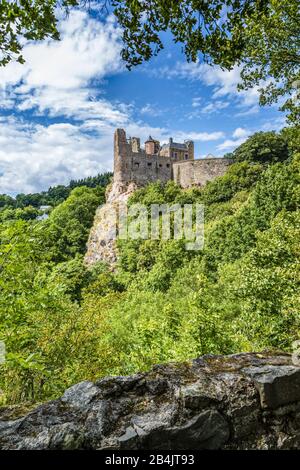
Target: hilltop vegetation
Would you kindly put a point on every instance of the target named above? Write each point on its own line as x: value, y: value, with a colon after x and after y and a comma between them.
x: 62, y: 323
x: 55, y: 195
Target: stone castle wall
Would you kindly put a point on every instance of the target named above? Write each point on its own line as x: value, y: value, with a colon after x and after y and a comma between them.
x: 199, y: 172
x: 133, y: 164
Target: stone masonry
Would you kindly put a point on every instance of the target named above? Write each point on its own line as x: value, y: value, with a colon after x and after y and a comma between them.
x: 199, y: 172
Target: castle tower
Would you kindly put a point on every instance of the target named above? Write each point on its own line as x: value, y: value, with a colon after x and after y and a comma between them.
x: 121, y: 157
x: 152, y: 146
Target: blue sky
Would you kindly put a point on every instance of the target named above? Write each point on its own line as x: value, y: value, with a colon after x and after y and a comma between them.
x: 59, y: 110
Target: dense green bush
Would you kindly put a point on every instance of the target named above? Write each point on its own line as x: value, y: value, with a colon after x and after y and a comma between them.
x: 67, y: 228
x: 262, y: 147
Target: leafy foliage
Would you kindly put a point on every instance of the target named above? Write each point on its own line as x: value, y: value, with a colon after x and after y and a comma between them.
x: 262, y: 147
x: 67, y: 229
x: 63, y: 323
x: 30, y: 19
x: 261, y: 36
x: 213, y: 28
x: 271, y: 56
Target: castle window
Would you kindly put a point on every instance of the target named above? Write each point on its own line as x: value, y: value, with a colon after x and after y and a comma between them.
x: 136, y: 164
x: 175, y: 154
x: 186, y: 156
x: 160, y: 165
x: 168, y: 165
x: 149, y: 164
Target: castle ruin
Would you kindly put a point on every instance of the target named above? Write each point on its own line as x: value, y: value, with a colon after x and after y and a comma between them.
x: 134, y: 167
x: 155, y: 162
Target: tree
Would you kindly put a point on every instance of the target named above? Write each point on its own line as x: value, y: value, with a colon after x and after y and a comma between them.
x: 68, y: 226
x: 6, y: 201
x: 271, y: 55
x: 212, y: 28
x: 28, y: 19
x: 262, y: 147
x: 262, y: 36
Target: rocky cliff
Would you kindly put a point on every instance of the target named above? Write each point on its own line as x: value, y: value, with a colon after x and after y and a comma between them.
x: 101, y: 245
x: 243, y: 401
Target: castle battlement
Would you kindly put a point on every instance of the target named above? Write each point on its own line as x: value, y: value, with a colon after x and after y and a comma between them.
x: 155, y: 162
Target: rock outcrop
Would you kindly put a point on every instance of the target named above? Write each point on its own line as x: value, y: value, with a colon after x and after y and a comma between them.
x: 243, y: 401
x: 101, y: 245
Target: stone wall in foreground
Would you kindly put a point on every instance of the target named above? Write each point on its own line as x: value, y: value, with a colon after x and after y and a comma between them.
x: 243, y: 401
x: 199, y: 172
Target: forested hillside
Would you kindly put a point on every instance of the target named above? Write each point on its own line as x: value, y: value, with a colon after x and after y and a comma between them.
x: 63, y: 323
x: 55, y: 195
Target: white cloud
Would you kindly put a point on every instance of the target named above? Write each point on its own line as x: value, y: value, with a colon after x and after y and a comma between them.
x: 70, y: 131
x: 248, y: 111
x: 88, y: 48
x: 163, y: 134
x: 33, y: 157
x: 199, y: 136
x: 214, y: 107
x: 239, y: 136
x: 57, y: 75
x: 224, y: 82
x: 151, y: 110
x: 211, y: 108
x: 230, y: 144
x: 274, y: 125
x: 196, y: 102
x: 58, y: 80
x: 240, y: 133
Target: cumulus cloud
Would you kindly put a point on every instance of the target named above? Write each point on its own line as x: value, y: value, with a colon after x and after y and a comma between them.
x: 60, y: 80
x: 239, y: 136
x: 214, y: 107
x: 199, y: 136
x: 57, y: 75
x: 151, y: 110
x: 196, y: 102
x: 87, y: 48
x: 61, y: 126
x: 211, y: 108
x: 34, y: 157
x: 230, y: 144
x: 240, y: 133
